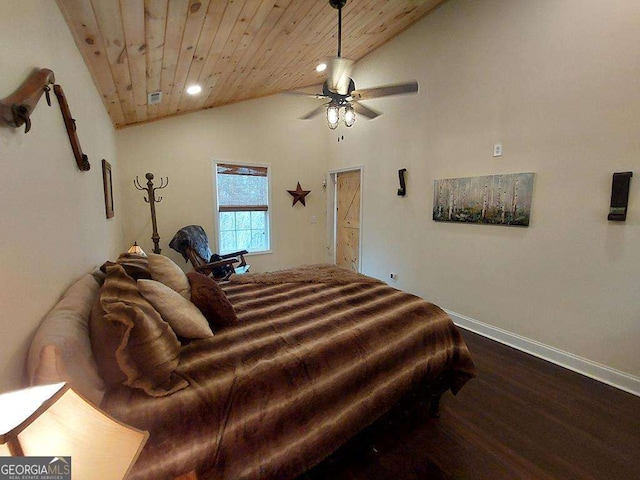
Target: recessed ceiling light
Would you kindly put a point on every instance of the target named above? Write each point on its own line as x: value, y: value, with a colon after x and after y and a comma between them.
x: 194, y: 89
x: 321, y: 67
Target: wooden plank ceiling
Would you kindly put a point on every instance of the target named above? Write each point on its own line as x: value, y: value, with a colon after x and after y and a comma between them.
x: 234, y: 49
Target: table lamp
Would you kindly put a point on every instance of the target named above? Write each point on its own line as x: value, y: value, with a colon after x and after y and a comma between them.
x: 54, y: 421
x: 137, y: 249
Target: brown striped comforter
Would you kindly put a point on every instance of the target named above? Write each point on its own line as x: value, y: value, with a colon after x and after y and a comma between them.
x: 309, y: 365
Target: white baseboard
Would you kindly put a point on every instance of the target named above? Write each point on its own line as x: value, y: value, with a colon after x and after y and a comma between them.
x: 594, y: 370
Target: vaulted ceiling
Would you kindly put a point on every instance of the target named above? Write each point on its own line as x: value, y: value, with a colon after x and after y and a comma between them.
x: 234, y: 49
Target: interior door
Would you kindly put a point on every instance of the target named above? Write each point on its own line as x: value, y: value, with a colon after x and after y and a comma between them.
x: 348, y: 220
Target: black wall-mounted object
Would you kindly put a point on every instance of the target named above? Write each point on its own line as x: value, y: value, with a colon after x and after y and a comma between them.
x: 402, y: 191
x: 619, y: 196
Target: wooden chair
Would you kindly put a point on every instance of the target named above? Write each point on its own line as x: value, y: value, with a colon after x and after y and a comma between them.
x: 219, y: 269
x: 192, y: 243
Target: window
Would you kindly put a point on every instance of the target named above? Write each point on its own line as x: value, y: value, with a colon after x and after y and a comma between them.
x: 243, y: 207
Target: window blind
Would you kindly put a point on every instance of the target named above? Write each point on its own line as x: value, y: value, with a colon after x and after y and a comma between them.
x: 242, y: 188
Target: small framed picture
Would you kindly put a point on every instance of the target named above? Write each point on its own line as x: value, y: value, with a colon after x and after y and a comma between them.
x: 108, y: 188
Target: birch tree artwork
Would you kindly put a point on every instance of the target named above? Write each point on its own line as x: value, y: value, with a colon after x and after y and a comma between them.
x: 493, y: 199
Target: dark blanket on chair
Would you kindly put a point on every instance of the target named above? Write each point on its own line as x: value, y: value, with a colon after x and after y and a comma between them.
x: 308, y: 366
x: 191, y: 236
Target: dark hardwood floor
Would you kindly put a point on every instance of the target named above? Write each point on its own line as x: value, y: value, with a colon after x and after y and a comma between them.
x: 521, y: 418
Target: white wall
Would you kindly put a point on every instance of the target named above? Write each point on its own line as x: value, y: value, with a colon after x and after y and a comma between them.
x: 52, y: 215
x: 184, y: 149
x: 556, y: 82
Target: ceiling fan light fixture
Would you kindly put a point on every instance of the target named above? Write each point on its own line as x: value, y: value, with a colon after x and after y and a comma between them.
x: 340, y: 89
x: 333, y: 116
x: 349, y: 115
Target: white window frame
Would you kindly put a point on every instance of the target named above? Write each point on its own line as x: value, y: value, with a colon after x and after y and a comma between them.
x: 216, y: 212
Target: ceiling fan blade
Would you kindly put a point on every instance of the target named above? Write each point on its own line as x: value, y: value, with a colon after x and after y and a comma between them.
x: 365, y: 111
x: 304, y: 94
x: 315, y: 112
x: 385, y: 91
x: 339, y: 74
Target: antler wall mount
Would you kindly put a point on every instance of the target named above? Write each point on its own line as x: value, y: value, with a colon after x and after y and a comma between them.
x: 16, y: 109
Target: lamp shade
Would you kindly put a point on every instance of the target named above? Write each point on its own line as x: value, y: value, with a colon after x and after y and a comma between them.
x: 135, y: 248
x: 54, y: 421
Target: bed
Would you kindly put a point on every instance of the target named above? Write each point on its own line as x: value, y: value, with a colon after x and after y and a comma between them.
x: 310, y: 357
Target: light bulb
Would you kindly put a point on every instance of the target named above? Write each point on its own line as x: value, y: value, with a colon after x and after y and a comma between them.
x: 194, y: 89
x: 333, y: 116
x: 349, y: 116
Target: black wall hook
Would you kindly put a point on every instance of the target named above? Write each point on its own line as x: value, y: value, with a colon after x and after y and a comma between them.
x: 402, y: 191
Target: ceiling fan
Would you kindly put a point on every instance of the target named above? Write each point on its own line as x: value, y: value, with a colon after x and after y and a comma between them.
x: 341, y: 91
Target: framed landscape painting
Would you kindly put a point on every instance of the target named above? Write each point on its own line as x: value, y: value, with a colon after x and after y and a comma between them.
x: 492, y: 199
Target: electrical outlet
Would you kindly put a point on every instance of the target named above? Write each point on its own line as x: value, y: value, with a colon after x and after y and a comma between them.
x: 497, y: 150
x: 393, y: 276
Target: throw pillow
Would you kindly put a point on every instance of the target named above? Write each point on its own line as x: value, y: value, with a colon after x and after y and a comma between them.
x: 136, y: 265
x: 148, y: 350
x: 61, y: 351
x: 183, y: 316
x: 207, y: 295
x: 164, y: 270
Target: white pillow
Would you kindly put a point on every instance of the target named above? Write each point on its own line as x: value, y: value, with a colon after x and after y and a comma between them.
x: 61, y: 349
x: 183, y: 316
x: 164, y: 270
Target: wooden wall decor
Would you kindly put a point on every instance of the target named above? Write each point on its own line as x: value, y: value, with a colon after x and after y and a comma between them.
x: 16, y: 109
x: 107, y: 181
x: 152, y: 200
x: 298, y: 195
x: 70, y: 123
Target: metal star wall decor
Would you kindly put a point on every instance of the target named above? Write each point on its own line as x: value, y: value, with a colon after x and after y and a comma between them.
x: 298, y: 195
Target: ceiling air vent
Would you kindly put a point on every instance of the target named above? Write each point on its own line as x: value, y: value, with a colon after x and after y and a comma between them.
x: 154, y: 98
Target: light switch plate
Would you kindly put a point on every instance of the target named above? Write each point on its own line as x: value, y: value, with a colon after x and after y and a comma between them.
x: 497, y: 150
